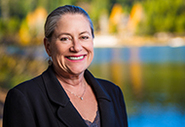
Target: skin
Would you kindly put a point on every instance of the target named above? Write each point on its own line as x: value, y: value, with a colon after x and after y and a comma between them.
x: 72, y: 38
x: 71, y: 49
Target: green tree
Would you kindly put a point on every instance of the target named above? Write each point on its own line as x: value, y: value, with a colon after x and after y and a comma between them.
x: 163, y: 16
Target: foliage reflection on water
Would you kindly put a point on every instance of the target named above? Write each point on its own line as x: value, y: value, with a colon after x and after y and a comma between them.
x: 152, y: 80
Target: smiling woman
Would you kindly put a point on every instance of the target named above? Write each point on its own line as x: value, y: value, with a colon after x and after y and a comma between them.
x: 66, y: 94
x: 71, y: 45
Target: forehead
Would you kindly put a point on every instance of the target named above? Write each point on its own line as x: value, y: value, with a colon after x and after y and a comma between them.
x: 72, y: 21
x: 73, y: 17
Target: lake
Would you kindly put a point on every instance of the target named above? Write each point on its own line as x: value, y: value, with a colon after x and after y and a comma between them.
x: 152, y: 80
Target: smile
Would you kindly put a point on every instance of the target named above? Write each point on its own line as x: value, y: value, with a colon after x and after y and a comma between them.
x: 75, y: 57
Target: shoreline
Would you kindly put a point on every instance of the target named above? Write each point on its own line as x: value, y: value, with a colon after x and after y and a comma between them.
x: 104, y: 41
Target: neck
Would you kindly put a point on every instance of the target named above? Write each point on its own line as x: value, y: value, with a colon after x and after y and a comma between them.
x: 69, y: 78
x: 72, y: 80
x: 75, y: 85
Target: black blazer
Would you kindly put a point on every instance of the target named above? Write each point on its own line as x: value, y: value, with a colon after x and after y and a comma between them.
x: 42, y: 102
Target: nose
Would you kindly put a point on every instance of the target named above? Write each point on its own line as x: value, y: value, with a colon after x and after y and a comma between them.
x: 76, y: 47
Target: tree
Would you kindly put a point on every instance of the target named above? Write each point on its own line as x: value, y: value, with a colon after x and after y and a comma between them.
x: 163, y: 16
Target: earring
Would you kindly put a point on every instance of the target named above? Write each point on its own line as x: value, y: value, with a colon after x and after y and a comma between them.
x: 50, y: 61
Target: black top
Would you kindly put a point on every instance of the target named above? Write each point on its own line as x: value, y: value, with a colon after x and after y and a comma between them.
x: 42, y: 102
x: 96, y: 122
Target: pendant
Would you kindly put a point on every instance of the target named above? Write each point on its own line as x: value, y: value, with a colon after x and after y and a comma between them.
x: 81, y: 98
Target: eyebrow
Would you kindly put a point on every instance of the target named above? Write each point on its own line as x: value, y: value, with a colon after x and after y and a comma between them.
x: 84, y: 32
x: 64, y: 34
x: 71, y: 35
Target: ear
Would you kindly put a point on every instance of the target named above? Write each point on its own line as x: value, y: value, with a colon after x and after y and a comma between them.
x: 47, y: 45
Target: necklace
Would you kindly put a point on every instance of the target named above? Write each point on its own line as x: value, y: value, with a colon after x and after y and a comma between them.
x: 81, y: 97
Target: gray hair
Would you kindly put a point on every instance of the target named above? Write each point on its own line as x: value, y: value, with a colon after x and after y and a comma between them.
x: 55, y: 15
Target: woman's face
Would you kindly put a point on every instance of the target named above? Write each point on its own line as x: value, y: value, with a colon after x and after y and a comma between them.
x: 71, y: 46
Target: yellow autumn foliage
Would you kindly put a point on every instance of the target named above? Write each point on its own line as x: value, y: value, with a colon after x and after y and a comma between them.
x: 32, y: 28
x: 135, y: 17
x: 115, y: 17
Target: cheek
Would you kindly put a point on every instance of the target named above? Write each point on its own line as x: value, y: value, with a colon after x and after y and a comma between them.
x: 58, y: 50
x: 91, y: 51
x: 54, y: 51
x: 92, y: 48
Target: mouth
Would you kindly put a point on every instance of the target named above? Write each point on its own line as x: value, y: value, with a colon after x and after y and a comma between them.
x: 81, y: 57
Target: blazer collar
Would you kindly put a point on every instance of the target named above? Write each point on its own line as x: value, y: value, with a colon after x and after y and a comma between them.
x: 57, y: 94
x: 55, y: 91
x: 66, y: 111
x: 105, y: 104
x: 98, y: 90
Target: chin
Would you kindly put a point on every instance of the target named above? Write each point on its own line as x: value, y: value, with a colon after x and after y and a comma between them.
x: 77, y: 71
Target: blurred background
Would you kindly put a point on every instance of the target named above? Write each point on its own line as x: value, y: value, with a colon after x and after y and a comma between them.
x: 139, y: 45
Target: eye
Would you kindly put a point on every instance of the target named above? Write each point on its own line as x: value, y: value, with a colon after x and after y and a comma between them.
x: 64, y: 39
x: 84, y: 37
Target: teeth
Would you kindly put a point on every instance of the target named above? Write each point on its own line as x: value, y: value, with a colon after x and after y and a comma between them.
x: 76, y: 58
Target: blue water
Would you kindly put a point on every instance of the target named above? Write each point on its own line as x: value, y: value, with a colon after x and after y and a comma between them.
x: 147, y: 114
x: 162, y: 54
x: 154, y: 54
x: 157, y: 116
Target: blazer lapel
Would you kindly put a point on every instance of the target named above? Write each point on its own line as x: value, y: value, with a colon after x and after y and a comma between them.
x: 70, y: 116
x: 104, y: 101
x: 65, y: 110
x: 106, y: 113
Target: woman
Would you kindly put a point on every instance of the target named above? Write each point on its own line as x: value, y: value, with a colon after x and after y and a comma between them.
x: 66, y: 94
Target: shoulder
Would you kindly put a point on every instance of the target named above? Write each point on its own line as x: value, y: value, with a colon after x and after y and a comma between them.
x: 32, y: 84
x: 29, y: 84
x: 105, y: 82
x: 106, y: 85
x: 25, y: 94
x: 109, y: 86
x: 26, y: 89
